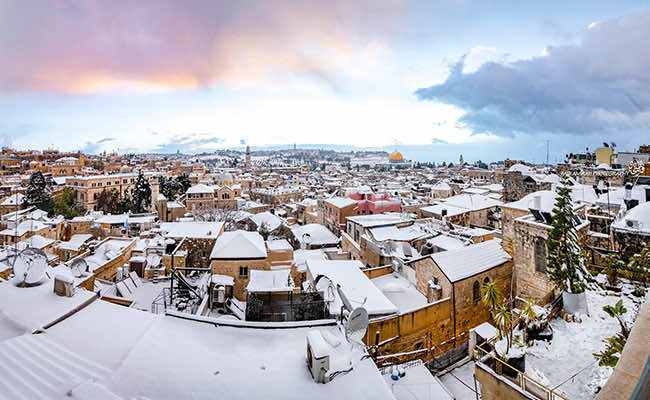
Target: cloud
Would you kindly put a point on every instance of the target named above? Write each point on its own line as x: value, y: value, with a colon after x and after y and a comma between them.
x: 599, y: 86
x: 438, y: 141
x: 97, y: 146
x: 102, y: 45
x: 190, y: 143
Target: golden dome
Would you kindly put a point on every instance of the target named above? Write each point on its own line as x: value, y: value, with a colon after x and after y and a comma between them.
x: 395, y: 155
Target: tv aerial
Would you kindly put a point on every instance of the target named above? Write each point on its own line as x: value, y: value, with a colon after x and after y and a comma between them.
x: 30, y: 266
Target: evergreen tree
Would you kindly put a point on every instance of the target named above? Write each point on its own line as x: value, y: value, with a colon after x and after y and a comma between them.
x: 183, y: 183
x: 107, y: 201
x: 124, y: 204
x: 141, y: 194
x: 37, y: 194
x: 66, y: 204
x: 566, y: 267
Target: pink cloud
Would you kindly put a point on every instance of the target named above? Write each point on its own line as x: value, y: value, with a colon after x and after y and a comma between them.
x: 87, y: 46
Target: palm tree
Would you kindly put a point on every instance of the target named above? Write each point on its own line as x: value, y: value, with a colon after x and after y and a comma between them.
x: 617, y: 311
x: 491, y: 295
x: 503, y: 319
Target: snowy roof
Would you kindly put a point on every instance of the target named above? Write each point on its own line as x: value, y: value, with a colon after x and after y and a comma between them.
x: 36, y: 241
x: 635, y: 220
x: 75, y: 242
x: 200, y: 188
x: 223, y: 280
x: 470, y: 260
x: 28, y: 225
x: 369, y: 221
x: 319, y: 234
x: 271, y: 221
x: 581, y: 193
x: 451, y: 210
x: 392, y: 232
x: 191, y: 229
x: 440, y: 186
x: 14, y: 199
x: 23, y: 310
x: 278, y: 245
x: 471, y: 201
x: 358, y: 288
x: 270, y: 281
x: 239, y: 245
x: 340, y: 202
x: 135, y: 352
x: 447, y: 242
x: 400, y: 292
x: 524, y: 169
x: 418, y: 384
x: 119, y: 219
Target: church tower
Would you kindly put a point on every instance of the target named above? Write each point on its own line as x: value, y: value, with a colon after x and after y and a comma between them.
x: 461, y: 162
x: 248, y: 158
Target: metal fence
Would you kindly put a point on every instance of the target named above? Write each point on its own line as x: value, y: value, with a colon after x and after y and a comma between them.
x: 286, y: 307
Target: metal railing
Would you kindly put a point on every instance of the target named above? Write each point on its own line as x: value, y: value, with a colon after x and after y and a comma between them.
x: 523, y: 381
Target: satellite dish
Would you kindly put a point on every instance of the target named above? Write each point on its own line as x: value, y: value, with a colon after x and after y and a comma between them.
x: 30, y: 266
x: 153, y: 260
x: 326, y: 286
x: 356, y: 325
x: 78, y: 267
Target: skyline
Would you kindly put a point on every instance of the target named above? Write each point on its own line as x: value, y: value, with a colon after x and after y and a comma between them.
x: 451, y: 78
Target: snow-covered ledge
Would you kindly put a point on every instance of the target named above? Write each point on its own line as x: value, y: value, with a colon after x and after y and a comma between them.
x: 629, y: 368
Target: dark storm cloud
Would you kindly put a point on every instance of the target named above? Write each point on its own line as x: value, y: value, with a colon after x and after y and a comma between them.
x: 600, y: 86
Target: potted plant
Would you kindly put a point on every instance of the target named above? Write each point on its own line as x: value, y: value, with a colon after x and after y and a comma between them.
x: 508, y: 347
x: 566, y: 266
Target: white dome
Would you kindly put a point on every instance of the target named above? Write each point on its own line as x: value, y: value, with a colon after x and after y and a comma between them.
x: 519, y: 168
x: 603, y: 166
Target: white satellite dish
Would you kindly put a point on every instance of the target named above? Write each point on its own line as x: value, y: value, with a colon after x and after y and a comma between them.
x: 356, y: 325
x: 78, y: 267
x: 153, y: 260
x: 30, y: 266
x: 326, y: 286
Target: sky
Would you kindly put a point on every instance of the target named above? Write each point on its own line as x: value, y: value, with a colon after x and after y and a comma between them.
x: 433, y: 79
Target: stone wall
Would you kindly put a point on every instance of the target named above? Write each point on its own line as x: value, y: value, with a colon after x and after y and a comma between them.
x: 426, y: 331
x: 231, y: 268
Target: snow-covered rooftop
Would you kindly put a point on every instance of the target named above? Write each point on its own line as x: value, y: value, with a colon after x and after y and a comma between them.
x: 191, y: 229
x: 400, y: 292
x: 470, y: 260
x: 239, y: 245
x: 319, y: 235
x: 358, y: 288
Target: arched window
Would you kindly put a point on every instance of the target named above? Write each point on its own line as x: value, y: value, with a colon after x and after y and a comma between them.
x: 477, y: 292
x: 540, y: 255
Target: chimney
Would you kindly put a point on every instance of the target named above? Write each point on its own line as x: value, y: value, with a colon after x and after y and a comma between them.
x: 537, y: 203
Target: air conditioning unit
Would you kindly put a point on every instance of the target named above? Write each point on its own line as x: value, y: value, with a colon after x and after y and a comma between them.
x: 63, y: 285
x: 318, y: 357
x: 633, y: 223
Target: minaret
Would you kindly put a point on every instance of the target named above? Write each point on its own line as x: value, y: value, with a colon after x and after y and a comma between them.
x: 461, y: 162
x: 248, y: 158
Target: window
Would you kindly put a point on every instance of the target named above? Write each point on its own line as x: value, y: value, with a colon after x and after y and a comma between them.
x: 476, y: 292
x: 243, y: 272
x: 540, y: 255
x: 486, y: 280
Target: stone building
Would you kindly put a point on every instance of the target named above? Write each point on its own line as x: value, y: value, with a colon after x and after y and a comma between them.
x: 89, y: 187
x: 235, y: 254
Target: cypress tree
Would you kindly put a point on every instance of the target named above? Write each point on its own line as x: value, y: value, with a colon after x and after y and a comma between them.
x: 566, y: 267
